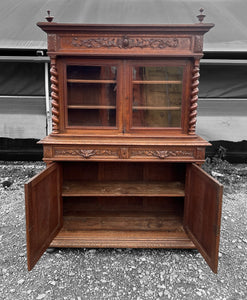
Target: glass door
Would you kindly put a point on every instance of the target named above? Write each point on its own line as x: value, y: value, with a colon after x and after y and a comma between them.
x: 156, y: 100
x: 92, y: 96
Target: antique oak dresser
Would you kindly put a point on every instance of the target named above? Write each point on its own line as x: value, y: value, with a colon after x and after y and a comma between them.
x: 123, y: 159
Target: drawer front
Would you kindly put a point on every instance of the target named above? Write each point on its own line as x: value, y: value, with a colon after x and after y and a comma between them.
x: 163, y: 153
x: 129, y: 153
x: 85, y: 153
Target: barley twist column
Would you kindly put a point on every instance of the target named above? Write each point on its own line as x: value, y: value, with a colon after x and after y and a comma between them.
x: 194, y: 98
x: 55, y: 97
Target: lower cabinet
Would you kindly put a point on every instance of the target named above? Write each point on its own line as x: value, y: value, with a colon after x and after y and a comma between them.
x: 123, y: 204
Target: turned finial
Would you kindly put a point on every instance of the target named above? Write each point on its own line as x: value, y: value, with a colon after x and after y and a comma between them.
x: 201, y: 16
x: 49, y: 18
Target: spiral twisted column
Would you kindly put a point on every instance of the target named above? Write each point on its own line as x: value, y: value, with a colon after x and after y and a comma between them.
x: 55, y: 97
x: 194, y: 98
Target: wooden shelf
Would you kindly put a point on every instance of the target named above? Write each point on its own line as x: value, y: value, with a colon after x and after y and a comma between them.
x: 91, y: 107
x: 156, y: 107
x: 156, y: 81
x: 122, y: 188
x: 91, y: 81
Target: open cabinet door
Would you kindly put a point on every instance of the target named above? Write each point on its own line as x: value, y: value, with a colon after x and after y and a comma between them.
x: 43, y: 211
x: 202, y: 213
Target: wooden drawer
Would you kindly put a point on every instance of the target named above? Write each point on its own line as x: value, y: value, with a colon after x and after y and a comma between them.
x: 126, y: 153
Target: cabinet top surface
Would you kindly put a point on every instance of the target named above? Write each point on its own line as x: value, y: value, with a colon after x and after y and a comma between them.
x: 192, y: 28
x: 127, y: 141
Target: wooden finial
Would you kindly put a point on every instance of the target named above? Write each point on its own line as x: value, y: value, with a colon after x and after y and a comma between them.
x: 201, y: 16
x: 49, y: 18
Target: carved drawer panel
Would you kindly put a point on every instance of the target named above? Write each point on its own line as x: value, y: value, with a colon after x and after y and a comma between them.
x: 133, y: 153
x: 163, y: 153
x: 86, y: 153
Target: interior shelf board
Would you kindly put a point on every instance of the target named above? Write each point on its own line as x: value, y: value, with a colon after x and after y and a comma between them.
x: 123, y: 188
x: 157, y: 107
x: 91, y: 81
x: 156, y: 81
x: 91, y: 107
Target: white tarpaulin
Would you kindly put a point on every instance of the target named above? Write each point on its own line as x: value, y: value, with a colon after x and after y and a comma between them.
x: 18, y: 18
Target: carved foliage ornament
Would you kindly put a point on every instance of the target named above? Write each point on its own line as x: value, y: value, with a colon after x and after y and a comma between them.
x: 85, y: 153
x: 162, y: 154
x: 125, y: 42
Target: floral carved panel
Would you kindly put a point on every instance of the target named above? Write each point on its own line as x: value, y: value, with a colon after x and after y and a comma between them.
x: 162, y: 154
x: 117, y: 43
x: 125, y: 42
x: 85, y: 153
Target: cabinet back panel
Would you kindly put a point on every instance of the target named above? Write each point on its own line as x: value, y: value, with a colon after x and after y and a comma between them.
x: 125, y: 171
x: 163, y: 214
x: 78, y: 205
x: 80, y: 171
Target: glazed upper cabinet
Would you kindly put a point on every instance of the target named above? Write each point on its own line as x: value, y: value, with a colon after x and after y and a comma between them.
x: 123, y: 154
x: 124, y: 96
x: 124, y: 79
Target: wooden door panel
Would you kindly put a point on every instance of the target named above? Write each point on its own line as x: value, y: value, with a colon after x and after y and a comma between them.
x: 43, y: 211
x: 203, y: 202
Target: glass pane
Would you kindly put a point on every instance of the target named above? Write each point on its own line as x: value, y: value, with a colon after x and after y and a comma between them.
x: 92, y: 117
x: 156, y: 118
x: 157, y: 96
x: 91, y: 95
x: 91, y: 72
